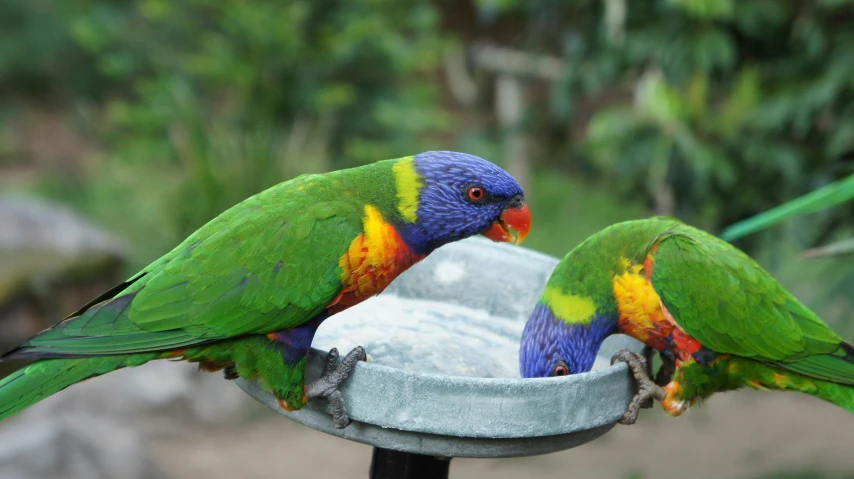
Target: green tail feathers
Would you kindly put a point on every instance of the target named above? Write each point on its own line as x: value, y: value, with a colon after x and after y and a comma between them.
x: 841, y: 391
x: 758, y: 375
x: 840, y: 394
x: 837, y: 367
x: 31, y: 384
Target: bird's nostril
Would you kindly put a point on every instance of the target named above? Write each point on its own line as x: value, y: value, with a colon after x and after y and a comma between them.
x: 516, y: 202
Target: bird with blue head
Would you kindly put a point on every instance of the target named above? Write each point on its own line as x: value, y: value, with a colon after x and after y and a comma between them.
x: 719, y: 321
x: 248, y: 290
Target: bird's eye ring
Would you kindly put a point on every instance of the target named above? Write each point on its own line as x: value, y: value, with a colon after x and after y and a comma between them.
x: 476, y: 193
x: 560, y: 369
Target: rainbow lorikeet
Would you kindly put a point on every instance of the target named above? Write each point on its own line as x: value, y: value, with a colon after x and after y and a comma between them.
x: 710, y: 310
x: 248, y: 290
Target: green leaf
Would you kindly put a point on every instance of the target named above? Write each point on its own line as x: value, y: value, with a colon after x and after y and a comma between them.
x: 697, y: 94
x: 611, y: 126
x: 741, y: 102
x: 658, y: 100
x: 758, y: 17
x: 820, y: 199
x: 840, y: 140
x: 713, y: 48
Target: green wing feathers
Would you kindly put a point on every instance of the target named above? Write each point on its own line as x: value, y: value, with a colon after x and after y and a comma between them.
x: 267, y: 264
x: 837, y: 366
x: 725, y: 300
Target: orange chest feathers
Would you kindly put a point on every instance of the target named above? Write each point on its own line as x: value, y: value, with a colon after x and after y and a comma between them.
x: 644, y: 317
x: 373, y: 260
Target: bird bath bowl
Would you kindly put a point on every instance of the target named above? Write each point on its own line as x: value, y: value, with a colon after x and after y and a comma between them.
x: 442, y: 377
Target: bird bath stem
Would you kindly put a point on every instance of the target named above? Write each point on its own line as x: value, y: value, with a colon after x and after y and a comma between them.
x: 442, y: 379
x: 388, y: 464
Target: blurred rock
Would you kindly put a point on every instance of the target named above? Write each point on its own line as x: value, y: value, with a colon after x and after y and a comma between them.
x: 170, y: 389
x: 73, y: 446
x: 52, y: 261
x: 99, y: 428
x: 34, y: 223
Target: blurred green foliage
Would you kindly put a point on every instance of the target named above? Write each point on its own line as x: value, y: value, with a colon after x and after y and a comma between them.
x: 713, y: 110
x: 822, y: 199
x: 730, y: 107
x: 203, y: 103
x: 734, y: 106
x: 710, y: 110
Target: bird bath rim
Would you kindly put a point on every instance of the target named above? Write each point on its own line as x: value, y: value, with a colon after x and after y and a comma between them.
x: 460, y: 416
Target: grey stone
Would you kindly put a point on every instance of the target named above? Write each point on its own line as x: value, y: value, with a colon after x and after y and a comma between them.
x: 52, y: 261
x: 30, y: 223
x: 97, y: 429
x: 84, y: 446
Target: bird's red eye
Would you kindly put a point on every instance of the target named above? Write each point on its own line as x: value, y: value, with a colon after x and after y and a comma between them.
x: 476, y: 193
x: 560, y: 370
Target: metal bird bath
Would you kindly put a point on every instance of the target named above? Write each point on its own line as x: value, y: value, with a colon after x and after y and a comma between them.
x: 442, y: 377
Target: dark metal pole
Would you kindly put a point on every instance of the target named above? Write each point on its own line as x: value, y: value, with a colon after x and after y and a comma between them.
x: 388, y: 464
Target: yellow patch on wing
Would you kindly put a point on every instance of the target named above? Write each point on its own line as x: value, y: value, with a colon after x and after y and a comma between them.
x: 408, y: 184
x: 638, y: 303
x: 568, y: 307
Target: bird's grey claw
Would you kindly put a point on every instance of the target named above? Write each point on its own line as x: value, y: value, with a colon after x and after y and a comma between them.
x: 331, y: 362
x: 334, y: 373
x: 647, y: 389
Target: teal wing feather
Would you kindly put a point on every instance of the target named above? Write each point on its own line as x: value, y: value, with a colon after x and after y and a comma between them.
x: 730, y: 304
x: 267, y: 264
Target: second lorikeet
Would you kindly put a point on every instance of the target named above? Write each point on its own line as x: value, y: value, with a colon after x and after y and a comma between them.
x: 248, y: 290
x: 708, y: 308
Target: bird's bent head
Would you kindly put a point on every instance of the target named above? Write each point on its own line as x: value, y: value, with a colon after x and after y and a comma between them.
x: 562, y: 336
x: 446, y: 196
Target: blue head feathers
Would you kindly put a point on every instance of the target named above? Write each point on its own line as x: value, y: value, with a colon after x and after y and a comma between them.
x: 553, y: 347
x: 463, y: 195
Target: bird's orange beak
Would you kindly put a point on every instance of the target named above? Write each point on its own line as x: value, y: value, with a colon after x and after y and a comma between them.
x: 516, y: 220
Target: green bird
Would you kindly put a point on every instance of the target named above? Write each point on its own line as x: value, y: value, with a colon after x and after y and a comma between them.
x: 248, y: 290
x: 720, y: 320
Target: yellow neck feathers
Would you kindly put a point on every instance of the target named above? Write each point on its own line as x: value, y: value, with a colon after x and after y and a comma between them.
x: 408, y: 184
x: 569, y: 308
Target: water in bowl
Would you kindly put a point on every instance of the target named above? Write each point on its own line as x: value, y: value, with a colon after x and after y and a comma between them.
x: 427, y: 336
x: 430, y: 337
